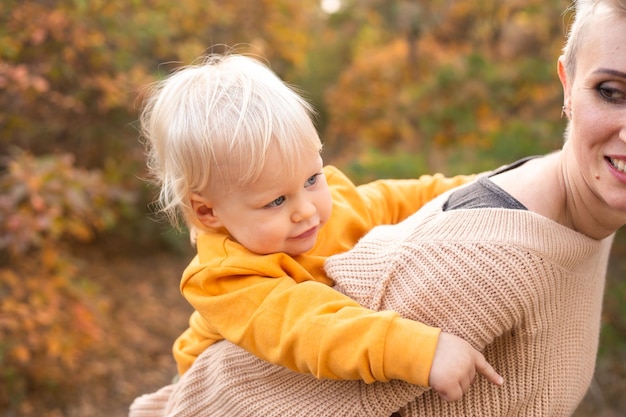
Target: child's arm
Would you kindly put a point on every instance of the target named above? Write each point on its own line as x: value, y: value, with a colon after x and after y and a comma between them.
x: 311, y: 328
x: 396, y: 199
x: 389, y: 201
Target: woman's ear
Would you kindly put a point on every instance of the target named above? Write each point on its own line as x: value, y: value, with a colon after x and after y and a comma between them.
x: 565, y: 81
x: 203, y: 210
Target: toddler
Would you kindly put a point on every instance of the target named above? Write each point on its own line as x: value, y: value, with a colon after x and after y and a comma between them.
x: 236, y: 155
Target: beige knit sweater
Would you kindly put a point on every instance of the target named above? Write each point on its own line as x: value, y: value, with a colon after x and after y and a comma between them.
x: 521, y: 288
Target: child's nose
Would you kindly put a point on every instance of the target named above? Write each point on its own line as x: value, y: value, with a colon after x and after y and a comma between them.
x: 304, y: 210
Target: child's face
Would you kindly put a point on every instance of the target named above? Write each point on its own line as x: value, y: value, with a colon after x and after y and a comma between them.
x: 275, y: 213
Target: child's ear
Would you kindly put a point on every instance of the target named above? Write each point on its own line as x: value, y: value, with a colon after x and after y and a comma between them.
x: 203, y: 210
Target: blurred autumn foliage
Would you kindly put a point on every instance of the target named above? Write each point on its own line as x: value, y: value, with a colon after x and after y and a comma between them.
x: 401, y: 87
x: 46, y: 202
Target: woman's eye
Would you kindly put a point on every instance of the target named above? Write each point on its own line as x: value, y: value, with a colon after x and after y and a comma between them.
x: 611, y: 94
x: 279, y: 201
x: 312, y: 180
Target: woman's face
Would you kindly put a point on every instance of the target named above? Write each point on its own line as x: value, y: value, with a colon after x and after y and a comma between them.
x: 596, y: 98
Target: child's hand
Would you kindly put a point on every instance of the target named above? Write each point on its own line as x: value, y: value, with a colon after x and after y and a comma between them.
x: 455, y: 365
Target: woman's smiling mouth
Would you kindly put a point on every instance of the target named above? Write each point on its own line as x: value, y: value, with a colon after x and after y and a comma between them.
x: 618, y: 164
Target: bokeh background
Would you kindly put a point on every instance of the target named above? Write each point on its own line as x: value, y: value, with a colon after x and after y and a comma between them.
x: 89, y: 299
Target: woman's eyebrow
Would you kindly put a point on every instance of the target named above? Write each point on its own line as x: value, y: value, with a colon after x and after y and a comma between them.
x: 613, y: 72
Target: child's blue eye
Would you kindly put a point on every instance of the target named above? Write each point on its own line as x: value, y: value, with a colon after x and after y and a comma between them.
x: 279, y: 201
x: 312, y: 180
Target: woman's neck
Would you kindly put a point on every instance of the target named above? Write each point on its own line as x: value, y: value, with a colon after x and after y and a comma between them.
x: 585, y: 210
x: 550, y: 187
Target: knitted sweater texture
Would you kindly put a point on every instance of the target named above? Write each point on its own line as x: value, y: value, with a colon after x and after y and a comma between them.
x: 524, y: 290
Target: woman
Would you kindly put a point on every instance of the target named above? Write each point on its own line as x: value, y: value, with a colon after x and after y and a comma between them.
x: 514, y: 263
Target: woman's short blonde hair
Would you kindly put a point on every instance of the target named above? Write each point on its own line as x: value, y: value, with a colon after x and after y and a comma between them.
x: 584, y: 19
x: 209, y: 126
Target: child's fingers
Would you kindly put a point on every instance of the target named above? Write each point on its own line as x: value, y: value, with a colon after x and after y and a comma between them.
x: 486, y: 370
x: 454, y: 393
